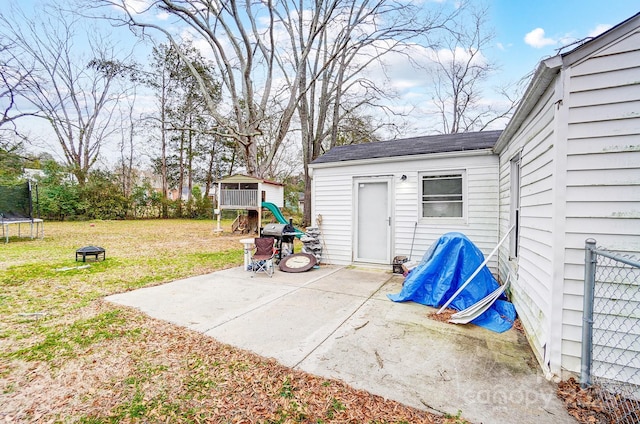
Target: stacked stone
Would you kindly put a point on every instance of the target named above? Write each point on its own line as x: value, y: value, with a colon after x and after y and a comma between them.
x: 311, y: 242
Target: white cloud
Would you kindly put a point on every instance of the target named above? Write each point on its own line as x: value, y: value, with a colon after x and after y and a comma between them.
x: 536, y: 39
x: 162, y: 16
x: 599, y: 29
x: 136, y: 6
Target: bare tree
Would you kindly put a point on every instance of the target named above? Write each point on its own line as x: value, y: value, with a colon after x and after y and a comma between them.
x: 461, y: 69
x: 334, y: 88
x: 245, y: 56
x: 75, y: 94
x: 12, y: 78
x: 159, y: 80
x: 126, y: 145
x: 292, y: 54
x: 12, y: 83
x: 281, y: 59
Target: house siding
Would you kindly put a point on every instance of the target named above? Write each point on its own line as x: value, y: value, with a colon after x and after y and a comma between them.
x: 603, y: 170
x: 580, y: 179
x: 531, y: 276
x: 333, y: 201
x: 273, y: 194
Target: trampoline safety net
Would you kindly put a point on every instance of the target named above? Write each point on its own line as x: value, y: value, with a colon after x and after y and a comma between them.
x: 16, y: 202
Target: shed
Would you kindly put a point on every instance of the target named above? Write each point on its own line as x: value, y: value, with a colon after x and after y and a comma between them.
x: 570, y: 170
x: 383, y: 199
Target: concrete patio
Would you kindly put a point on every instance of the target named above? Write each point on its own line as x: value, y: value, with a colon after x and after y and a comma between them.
x: 338, y: 323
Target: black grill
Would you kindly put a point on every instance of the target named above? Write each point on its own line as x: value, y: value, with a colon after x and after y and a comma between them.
x: 284, y: 235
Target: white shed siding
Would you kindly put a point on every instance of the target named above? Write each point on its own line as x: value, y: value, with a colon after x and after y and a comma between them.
x: 333, y: 202
x: 603, y: 170
x: 531, y: 277
x: 273, y: 193
x: 333, y: 199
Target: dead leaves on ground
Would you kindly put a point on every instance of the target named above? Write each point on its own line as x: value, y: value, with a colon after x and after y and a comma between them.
x: 158, y: 372
x: 445, y: 316
x: 594, y: 405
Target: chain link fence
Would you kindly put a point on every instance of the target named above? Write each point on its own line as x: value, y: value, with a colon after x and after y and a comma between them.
x: 611, y: 333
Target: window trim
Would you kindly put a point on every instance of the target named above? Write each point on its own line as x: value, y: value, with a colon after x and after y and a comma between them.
x: 443, y: 219
x: 515, y: 205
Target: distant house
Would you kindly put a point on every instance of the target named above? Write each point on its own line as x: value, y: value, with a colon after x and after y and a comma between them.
x: 174, y: 194
x: 566, y: 168
x: 33, y: 174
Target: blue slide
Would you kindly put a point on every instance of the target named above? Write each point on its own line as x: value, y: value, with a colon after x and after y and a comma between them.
x: 279, y: 217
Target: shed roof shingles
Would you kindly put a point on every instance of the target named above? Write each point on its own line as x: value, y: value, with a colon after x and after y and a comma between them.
x: 412, y: 146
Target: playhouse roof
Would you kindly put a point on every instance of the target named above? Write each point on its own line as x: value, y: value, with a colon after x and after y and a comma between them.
x: 412, y: 146
x: 241, y: 178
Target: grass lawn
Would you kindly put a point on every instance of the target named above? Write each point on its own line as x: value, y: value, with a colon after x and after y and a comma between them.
x: 67, y: 356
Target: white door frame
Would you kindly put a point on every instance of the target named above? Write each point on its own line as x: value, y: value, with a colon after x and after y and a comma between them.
x: 389, y: 221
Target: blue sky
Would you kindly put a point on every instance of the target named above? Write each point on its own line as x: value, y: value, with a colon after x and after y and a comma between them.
x: 526, y: 31
x: 562, y: 21
x: 558, y: 22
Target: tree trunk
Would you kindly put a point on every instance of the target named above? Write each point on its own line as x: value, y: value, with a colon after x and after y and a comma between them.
x: 163, y: 148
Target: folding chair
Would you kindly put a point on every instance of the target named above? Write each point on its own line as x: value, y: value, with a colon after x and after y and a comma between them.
x: 262, y: 258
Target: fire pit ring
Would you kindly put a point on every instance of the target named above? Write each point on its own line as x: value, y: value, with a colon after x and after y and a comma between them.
x: 94, y: 251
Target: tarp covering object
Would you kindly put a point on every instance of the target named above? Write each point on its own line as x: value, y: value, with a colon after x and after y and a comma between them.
x: 447, y: 264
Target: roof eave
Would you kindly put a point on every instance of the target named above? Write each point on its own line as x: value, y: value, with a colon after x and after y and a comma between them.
x: 422, y: 156
x: 542, y: 78
x: 236, y: 178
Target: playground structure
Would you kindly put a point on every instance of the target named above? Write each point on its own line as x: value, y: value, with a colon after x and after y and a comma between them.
x: 245, y: 225
x: 251, y: 194
x: 19, y: 206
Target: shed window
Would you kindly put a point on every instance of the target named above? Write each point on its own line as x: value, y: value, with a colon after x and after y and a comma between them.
x: 442, y: 196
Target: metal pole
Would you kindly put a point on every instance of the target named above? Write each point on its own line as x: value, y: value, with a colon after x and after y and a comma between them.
x: 587, y: 311
x: 415, y: 227
x: 486, y: 261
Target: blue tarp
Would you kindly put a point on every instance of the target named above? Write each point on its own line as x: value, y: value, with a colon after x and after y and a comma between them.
x: 447, y: 264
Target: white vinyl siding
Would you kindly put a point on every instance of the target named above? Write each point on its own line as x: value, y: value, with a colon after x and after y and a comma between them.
x: 531, y: 273
x: 273, y: 194
x: 333, y: 200
x: 580, y: 179
x: 332, y: 205
x: 603, y: 170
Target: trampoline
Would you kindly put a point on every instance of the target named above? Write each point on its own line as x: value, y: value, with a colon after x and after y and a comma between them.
x: 17, y: 210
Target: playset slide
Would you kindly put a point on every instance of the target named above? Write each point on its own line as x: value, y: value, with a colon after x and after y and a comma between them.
x: 278, y: 215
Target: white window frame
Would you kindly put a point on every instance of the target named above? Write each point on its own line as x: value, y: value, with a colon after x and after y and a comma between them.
x: 443, y: 219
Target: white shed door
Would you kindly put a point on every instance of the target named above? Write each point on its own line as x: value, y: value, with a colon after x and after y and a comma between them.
x: 373, y: 221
